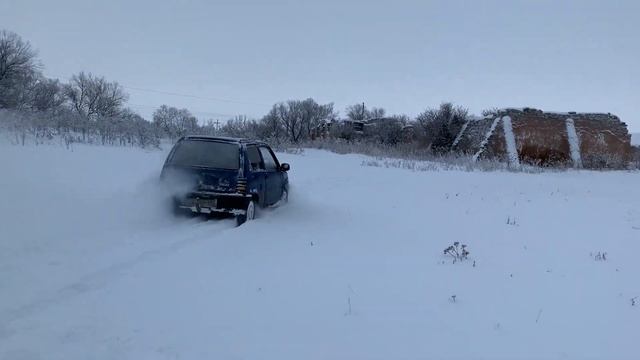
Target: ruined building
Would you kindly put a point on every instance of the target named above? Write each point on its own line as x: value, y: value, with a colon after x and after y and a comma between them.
x: 531, y: 136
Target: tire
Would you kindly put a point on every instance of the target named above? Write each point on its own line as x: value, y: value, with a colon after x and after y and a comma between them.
x: 285, y: 197
x: 252, y: 209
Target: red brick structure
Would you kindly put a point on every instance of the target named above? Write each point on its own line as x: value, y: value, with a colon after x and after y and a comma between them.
x: 535, y: 137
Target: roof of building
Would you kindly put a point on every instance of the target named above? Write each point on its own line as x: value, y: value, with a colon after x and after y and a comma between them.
x: 553, y: 113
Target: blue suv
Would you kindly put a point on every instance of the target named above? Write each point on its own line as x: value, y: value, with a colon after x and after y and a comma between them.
x: 209, y: 175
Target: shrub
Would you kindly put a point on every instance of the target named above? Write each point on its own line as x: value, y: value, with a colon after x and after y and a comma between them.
x: 457, y: 251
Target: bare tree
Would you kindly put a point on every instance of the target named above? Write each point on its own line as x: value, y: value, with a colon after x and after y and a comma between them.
x: 314, y: 114
x: 376, y: 113
x: 290, y: 115
x: 359, y: 112
x: 175, y: 122
x: 298, y: 118
x: 136, y: 130
x: 35, y: 105
x: 186, y: 123
x: 162, y: 118
x: 356, y: 112
x: 46, y: 95
x: 210, y: 127
x: 91, y: 96
x: 270, y: 127
x: 241, y: 127
x: 18, y: 69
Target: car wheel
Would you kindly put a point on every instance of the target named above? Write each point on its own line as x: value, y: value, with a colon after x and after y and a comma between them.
x: 250, y: 214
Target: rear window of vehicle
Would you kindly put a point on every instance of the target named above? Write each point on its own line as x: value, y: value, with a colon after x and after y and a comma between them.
x: 211, y: 154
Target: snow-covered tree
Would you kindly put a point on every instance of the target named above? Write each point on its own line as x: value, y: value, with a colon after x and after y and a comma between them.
x: 440, y: 126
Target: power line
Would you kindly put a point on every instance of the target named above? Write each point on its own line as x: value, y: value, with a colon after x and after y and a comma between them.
x: 191, y: 96
x: 180, y: 94
x: 208, y: 113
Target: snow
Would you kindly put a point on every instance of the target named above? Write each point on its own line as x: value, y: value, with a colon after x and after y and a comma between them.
x: 510, y: 139
x: 574, y: 143
x: 485, y: 141
x: 351, y: 268
x: 460, y: 133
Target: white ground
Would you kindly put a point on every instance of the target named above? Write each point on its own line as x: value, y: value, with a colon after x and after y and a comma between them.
x: 91, y: 267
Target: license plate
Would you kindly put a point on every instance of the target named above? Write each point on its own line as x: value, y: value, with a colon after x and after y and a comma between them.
x: 207, y: 203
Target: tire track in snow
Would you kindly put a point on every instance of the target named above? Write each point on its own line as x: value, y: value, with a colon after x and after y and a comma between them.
x: 101, y: 278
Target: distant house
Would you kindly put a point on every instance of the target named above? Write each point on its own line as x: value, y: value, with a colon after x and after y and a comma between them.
x: 409, y: 133
x: 532, y: 136
x: 321, y: 131
x: 338, y: 128
x: 382, y: 129
x: 356, y: 125
x: 348, y: 128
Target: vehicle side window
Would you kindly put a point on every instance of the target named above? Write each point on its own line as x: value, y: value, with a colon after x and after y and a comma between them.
x: 254, y: 158
x: 270, y: 163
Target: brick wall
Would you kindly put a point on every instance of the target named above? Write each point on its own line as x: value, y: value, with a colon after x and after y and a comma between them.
x: 541, y: 139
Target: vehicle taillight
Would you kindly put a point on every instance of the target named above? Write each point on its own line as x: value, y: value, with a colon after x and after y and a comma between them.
x: 241, y: 186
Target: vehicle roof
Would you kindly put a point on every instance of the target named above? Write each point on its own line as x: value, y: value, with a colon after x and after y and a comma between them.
x: 223, y: 139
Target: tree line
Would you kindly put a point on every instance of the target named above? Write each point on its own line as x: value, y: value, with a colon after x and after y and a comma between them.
x: 89, y: 108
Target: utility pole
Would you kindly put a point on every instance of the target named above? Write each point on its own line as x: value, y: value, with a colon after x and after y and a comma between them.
x: 362, y: 110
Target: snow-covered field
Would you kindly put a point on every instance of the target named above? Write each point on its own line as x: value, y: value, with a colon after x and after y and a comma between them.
x: 92, y: 267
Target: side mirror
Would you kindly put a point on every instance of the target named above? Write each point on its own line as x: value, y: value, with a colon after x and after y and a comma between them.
x: 284, y: 167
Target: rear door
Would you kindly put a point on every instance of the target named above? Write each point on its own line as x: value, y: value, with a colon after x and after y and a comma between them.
x: 205, y: 165
x: 273, y: 190
x: 257, y: 176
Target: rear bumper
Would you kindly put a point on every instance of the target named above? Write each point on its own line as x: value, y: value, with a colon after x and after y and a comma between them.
x: 212, y: 202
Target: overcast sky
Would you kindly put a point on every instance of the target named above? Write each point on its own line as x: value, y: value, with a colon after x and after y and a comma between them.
x: 404, y: 56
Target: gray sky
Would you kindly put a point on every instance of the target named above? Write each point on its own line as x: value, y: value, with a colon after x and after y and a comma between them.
x: 401, y: 55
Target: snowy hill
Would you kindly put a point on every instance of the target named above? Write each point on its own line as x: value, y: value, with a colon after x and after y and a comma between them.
x: 352, y: 268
